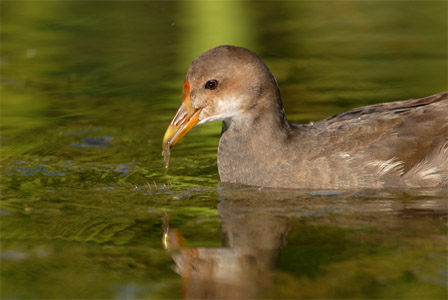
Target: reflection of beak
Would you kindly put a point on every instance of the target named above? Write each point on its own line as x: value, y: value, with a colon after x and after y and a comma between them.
x: 184, y: 120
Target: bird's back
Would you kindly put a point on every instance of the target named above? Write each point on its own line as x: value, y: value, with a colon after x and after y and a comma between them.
x: 403, y: 143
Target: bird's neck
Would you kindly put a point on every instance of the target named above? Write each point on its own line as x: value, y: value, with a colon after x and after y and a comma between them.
x: 262, y: 117
x: 252, y: 144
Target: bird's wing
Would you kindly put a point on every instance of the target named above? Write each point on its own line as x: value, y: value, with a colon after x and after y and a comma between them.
x: 406, y: 131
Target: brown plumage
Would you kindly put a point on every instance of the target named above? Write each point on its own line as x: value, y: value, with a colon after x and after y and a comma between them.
x: 396, y: 144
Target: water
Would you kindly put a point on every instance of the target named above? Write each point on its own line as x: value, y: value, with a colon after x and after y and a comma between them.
x: 87, y: 211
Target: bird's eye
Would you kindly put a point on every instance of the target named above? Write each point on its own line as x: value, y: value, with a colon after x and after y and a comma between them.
x: 211, y: 84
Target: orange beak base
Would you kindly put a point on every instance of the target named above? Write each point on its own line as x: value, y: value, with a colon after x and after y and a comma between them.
x: 185, y: 119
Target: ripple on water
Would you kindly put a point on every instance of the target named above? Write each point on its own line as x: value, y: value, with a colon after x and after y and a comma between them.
x: 93, y: 141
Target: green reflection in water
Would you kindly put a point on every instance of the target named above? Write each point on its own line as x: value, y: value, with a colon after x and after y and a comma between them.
x: 208, y: 24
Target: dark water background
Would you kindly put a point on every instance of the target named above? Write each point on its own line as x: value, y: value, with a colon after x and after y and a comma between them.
x: 87, y: 90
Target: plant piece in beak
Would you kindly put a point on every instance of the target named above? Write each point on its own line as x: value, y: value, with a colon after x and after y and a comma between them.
x: 185, y: 119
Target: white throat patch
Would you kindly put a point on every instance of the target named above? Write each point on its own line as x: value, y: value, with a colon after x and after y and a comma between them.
x: 229, y: 108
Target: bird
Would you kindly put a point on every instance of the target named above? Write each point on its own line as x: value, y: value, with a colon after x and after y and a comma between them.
x: 401, y: 144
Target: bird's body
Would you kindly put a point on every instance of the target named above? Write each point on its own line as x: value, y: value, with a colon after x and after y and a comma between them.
x: 396, y: 144
x: 393, y: 144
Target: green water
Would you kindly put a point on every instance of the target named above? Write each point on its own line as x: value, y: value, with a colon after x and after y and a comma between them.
x: 87, y: 90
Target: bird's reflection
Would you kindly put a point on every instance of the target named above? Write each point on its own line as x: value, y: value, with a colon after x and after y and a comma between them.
x: 255, y: 224
x: 243, y: 267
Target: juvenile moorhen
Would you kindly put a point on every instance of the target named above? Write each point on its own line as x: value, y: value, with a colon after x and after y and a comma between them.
x: 396, y: 144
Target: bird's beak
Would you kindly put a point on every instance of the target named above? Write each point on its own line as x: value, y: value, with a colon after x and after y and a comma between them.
x: 185, y: 119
